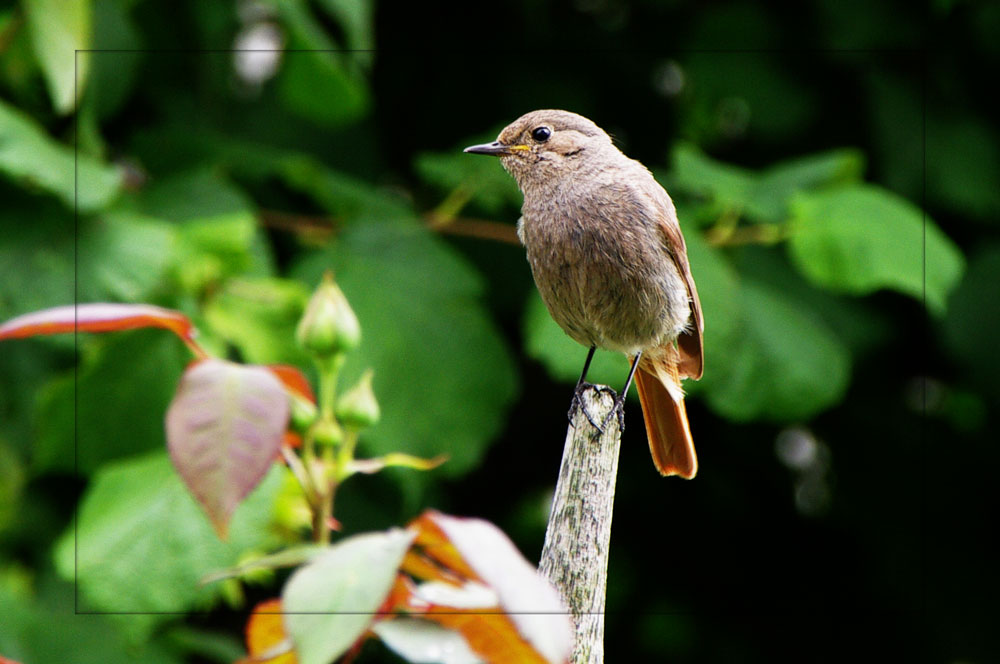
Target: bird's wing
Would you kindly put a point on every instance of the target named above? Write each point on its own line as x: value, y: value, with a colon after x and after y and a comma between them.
x: 692, y: 363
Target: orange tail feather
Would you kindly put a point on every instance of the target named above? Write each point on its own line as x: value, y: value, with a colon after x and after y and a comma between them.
x: 663, y: 411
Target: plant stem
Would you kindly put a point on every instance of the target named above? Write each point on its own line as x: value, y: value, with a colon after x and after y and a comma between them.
x: 449, y: 208
x: 302, y: 475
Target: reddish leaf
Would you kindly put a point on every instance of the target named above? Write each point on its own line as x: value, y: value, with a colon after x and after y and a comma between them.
x: 266, y: 637
x: 98, y: 317
x: 479, y: 551
x: 293, y: 379
x: 224, y: 430
x: 493, y: 636
x: 291, y: 439
x: 421, y: 566
x: 4, y: 660
x: 435, y: 544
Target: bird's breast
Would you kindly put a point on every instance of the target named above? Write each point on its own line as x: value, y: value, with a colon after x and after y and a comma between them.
x: 604, y: 274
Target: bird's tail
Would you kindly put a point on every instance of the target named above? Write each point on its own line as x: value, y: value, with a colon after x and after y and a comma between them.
x: 663, y: 411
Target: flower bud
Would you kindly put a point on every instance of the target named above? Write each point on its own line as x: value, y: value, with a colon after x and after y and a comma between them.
x: 357, y: 408
x: 328, y: 325
x: 303, y: 413
x: 327, y: 432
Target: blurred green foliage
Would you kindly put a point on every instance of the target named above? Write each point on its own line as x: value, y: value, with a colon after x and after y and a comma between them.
x: 831, y: 178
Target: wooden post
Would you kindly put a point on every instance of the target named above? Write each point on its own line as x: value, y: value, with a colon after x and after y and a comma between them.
x: 575, y: 554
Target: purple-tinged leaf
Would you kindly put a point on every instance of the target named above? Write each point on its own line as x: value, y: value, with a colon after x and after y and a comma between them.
x: 224, y: 430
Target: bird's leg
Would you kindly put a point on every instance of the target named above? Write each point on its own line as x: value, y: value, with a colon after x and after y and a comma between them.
x: 581, y: 385
x: 619, y: 406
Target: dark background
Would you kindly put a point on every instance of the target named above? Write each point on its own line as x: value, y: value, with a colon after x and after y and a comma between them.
x: 877, y: 551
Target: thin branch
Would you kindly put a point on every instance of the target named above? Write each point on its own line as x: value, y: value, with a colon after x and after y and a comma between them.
x: 765, y: 234
x: 476, y: 228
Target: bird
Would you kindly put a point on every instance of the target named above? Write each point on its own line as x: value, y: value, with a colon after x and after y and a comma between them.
x: 610, y: 262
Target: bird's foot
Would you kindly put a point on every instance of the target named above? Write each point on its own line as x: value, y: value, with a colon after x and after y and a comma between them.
x: 578, y: 402
x: 619, y: 410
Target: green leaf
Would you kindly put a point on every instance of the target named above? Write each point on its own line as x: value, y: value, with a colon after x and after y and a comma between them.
x: 763, y: 196
x: 27, y: 629
x: 426, y: 333
x: 215, y: 224
x: 319, y: 88
x: 12, y: 481
x: 60, y: 28
x: 114, y: 407
x: 480, y: 179
x: 861, y: 238
x: 861, y: 324
x: 113, y: 69
x: 318, y: 82
x: 258, y: 316
x: 30, y: 156
x: 122, y: 256
x: 37, y: 268
x: 142, y: 544
x: 725, y: 185
x: 785, y: 365
x: 329, y: 602
x: 774, y: 188
x: 356, y: 19
x: 343, y: 196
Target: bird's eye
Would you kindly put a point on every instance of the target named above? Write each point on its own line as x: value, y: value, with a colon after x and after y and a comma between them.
x: 541, y: 134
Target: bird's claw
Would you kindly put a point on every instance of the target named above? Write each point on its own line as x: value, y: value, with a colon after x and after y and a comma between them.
x: 577, y: 402
x: 619, y: 410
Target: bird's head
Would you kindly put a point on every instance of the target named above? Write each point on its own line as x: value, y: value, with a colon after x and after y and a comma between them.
x: 547, y: 144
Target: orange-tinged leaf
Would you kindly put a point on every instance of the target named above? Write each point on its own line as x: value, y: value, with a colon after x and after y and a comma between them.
x: 483, y: 554
x: 422, y: 567
x: 490, y: 635
x: 4, y: 660
x: 399, y: 596
x: 436, y: 545
x: 97, y: 317
x: 293, y: 378
x: 265, y: 632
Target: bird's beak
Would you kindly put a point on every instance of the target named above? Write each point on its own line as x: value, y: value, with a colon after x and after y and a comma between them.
x: 495, y: 148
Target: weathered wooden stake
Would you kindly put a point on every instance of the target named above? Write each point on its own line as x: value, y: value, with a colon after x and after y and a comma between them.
x: 575, y: 554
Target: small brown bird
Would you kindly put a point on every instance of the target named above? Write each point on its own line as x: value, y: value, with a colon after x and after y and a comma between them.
x: 610, y: 263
